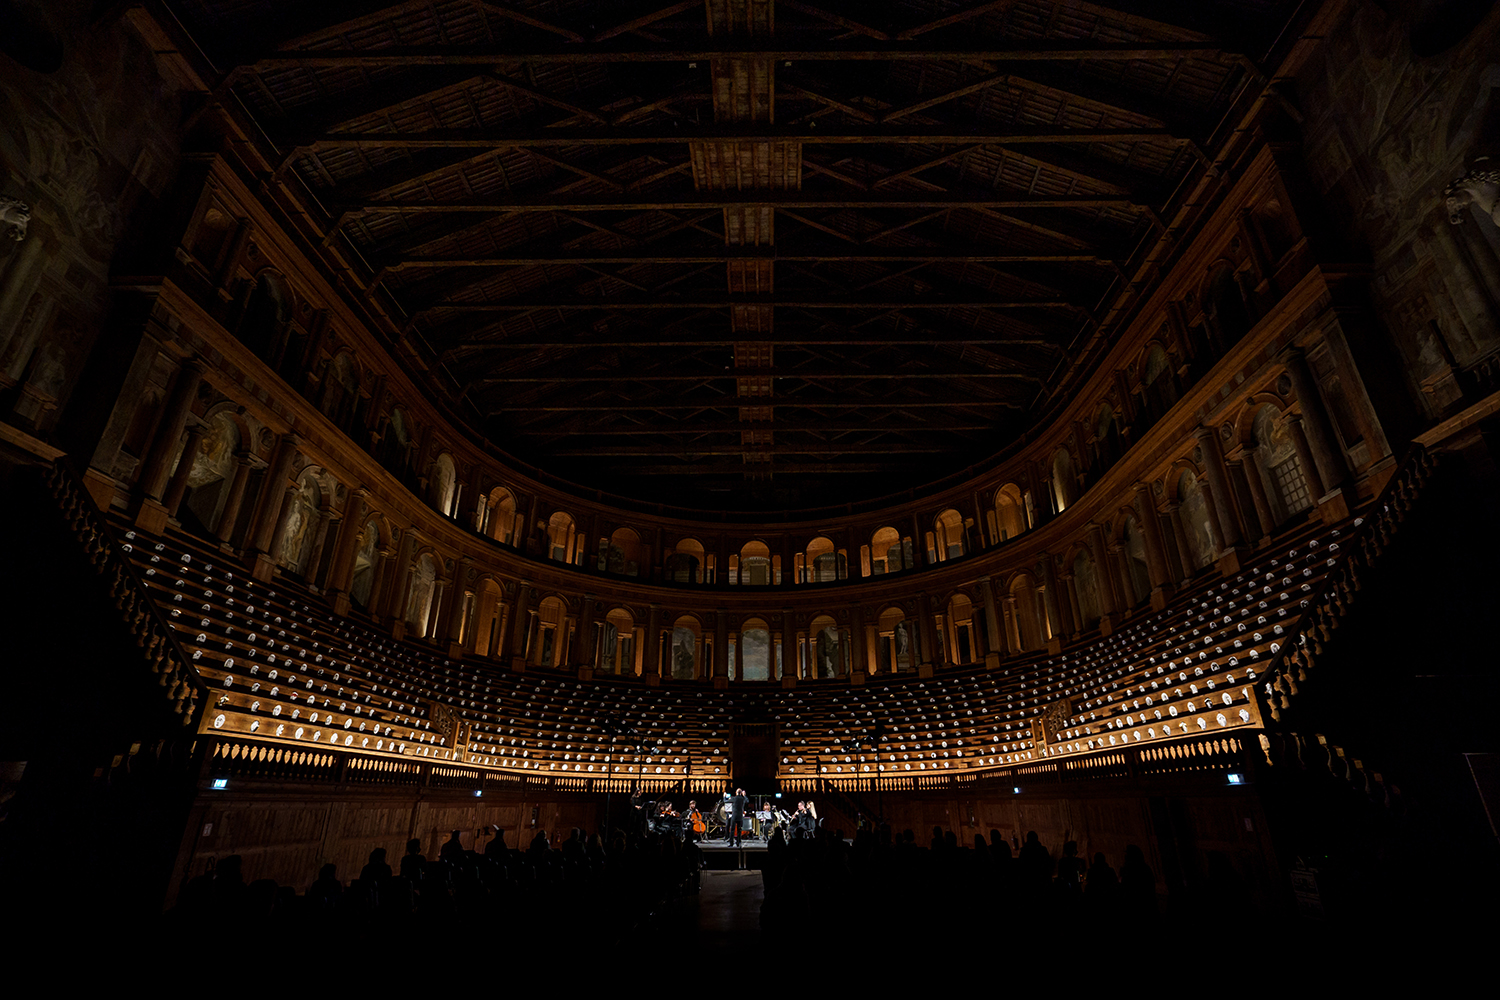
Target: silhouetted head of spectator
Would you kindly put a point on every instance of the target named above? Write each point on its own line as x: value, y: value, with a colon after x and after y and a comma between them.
x: 414, y: 846
x: 1031, y: 839
x: 1070, y: 849
x: 377, y: 856
x: 229, y: 869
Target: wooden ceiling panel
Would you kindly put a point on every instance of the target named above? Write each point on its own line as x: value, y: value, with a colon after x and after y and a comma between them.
x: 891, y: 223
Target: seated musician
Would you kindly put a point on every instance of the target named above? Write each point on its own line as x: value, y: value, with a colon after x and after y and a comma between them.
x: 695, y: 826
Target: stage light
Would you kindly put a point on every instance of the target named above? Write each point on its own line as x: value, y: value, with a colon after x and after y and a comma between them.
x: 478, y: 792
x: 220, y: 784
x: 1017, y: 789
x: 1236, y: 779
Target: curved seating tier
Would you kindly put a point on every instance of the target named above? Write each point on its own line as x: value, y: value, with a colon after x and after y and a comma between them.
x: 282, y: 667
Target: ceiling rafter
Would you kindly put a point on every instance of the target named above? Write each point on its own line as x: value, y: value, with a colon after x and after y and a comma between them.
x: 587, y: 53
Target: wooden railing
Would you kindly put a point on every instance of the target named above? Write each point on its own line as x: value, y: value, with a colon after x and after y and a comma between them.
x: 169, y: 665
x: 1336, y: 591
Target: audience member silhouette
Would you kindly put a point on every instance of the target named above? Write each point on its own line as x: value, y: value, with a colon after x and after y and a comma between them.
x: 1137, y: 883
x: 412, y: 861
x: 1035, y: 866
x: 1102, y: 888
x: 452, y: 851
x: 1070, y: 869
x: 375, y: 870
x: 325, y: 892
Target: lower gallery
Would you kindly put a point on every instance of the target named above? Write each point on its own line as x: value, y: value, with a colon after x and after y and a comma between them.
x: 741, y: 467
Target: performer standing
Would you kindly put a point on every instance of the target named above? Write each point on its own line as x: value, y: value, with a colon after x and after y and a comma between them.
x: 737, y: 815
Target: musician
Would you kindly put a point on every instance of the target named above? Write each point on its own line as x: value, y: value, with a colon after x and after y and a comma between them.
x: 639, y: 814
x: 805, y: 822
x: 694, y: 827
x: 737, y: 815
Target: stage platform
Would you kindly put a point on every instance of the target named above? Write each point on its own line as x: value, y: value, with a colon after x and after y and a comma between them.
x: 720, y: 855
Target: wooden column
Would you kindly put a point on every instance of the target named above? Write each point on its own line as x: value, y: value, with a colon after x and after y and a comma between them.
x: 224, y: 531
x: 860, y: 667
x: 457, y: 608
x: 583, y: 639
x: 1251, y: 470
x: 1328, y: 455
x: 520, y: 625
x: 924, y: 639
x: 164, y: 447
x: 721, y: 648
x: 1305, y: 460
x: 1156, y: 556
x: 789, y: 669
x: 1220, y: 497
x: 341, y: 569
x: 272, y: 494
x: 177, y: 487
x: 993, y: 624
x: 651, y: 660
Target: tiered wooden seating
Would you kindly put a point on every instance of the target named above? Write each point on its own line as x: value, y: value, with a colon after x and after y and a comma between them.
x: 281, y: 667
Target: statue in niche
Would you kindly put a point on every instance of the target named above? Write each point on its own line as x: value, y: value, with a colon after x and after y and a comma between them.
x: 15, y: 216
x: 1480, y: 187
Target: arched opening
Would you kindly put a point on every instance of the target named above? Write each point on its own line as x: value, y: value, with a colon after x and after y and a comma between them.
x: 687, y: 643
x: 1010, y: 513
x: 949, y: 532
x: 685, y: 564
x: 500, y: 515
x: 897, y: 649
x: 366, y: 561
x: 827, y: 650
x: 442, y: 484
x: 754, y: 651
x: 753, y: 564
x: 302, y: 522
x: 552, y: 632
x: 623, y: 554
x: 489, y: 618
x: 889, y: 552
x: 563, y: 543
x: 618, y: 643
x: 822, y: 563
x: 211, y: 474
x: 419, y: 601
x: 1193, y: 510
x: 266, y: 316
x: 1064, y: 480
x: 1224, y: 312
x: 961, y: 631
x: 1276, y: 457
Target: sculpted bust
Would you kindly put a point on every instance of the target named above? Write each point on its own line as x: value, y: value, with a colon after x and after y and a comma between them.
x: 14, y: 217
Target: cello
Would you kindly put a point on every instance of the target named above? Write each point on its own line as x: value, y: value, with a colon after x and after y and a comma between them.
x: 695, y: 818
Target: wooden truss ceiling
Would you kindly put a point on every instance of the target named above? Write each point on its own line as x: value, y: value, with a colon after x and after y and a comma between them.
x: 836, y: 249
